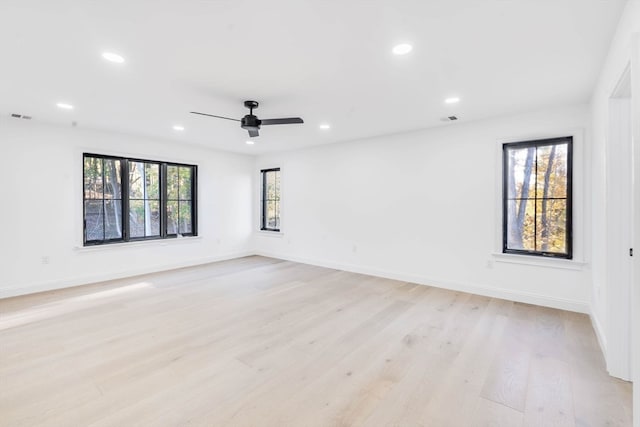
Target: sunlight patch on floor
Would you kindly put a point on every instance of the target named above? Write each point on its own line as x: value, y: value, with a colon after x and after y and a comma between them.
x: 68, y: 305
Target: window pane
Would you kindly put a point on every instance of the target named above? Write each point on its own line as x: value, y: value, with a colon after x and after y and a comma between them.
x: 112, y: 184
x: 153, y: 218
x: 136, y: 218
x: 271, y: 199
x: 185, y: 183
x: 172, y: 217
x: 172, y: 182
x: 552, y: 171
x: 185, y: 217
x: 272, y: 187
x: 551, y: 219
x: 113, y: 219
x: 521, y: 172
x: 93, y: 216
x: 136, y: 180
x: 152, y: 175
x: 93, y: 178
x: 520, y: 224
x: 271, y: 214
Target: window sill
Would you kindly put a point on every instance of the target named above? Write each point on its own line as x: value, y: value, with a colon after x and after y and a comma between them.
x: 566, y: 264
x: 154, y: 242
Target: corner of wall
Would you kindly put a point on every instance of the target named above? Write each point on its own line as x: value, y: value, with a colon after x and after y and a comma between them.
x: 599, y: 330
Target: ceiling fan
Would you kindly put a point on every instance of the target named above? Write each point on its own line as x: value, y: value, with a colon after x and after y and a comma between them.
x: 252, y: 123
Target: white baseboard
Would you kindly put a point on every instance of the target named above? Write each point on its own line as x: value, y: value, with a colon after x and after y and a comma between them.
x: 84, y: 280
x: 494, y: 292
x: 473, y: 288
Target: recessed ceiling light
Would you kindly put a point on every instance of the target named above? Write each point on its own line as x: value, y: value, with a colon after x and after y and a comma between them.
x: 64, y: 106
x: 325, y: 126
x: 402, y: 49
x: 453, y: 100
x: 178, y: 128
x: 113, y: 57
x: 249, y: 142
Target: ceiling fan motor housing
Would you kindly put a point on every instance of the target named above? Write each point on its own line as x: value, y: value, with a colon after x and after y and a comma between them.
x: 250, y: 122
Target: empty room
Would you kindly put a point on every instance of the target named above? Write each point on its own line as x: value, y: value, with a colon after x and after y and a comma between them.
x: 320, y: 213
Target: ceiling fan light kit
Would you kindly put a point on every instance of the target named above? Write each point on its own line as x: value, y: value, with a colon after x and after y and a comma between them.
x: 252, y: 123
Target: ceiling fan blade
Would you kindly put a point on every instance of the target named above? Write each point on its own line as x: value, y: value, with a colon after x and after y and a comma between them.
x: 253, y: 133
x: 287, y: 121
x: 217, y: 117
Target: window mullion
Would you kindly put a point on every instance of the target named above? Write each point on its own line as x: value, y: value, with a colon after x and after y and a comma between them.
x: 104, y: 205
x: 124, y: 182
x: 163, y: 200
x: 194, y: 199
x: 535, y: 205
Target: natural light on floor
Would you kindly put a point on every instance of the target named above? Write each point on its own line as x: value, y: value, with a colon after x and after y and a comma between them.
x: 57, y: 308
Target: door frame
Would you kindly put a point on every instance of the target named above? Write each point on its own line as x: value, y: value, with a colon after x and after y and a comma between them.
x: 619, y: 226
x: 635, y: 261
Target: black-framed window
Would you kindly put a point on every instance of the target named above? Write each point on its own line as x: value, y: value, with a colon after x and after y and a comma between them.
x: 133, y: 199
x: 537, y: 197
x: 270, y: 199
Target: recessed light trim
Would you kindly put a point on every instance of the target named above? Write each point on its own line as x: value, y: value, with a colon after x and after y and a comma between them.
x: 178, y: 128
x: 325, y: 126
x: 64, y: 106
x: 113, y: 57
x: 402, y: 49
x: 452, y: 100
x: 249, y: 142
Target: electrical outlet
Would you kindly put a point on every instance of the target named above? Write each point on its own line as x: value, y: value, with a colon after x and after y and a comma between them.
x: 489, y: 263
x: 45, y: 259
x: 354, y: 249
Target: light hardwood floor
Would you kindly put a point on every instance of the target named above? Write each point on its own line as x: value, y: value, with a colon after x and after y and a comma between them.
x: 263, y: 342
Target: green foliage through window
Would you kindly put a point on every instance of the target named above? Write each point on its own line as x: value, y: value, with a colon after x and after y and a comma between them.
x: 537, y: 197
x: 131, y: 199
x: 270, y: 200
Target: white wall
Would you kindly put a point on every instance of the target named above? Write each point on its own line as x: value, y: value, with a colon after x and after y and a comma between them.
x: 41, y: 208
x: 618, y: 59
x: 425, y: 206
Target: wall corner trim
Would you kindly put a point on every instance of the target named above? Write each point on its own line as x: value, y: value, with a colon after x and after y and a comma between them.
x: 600, y: 335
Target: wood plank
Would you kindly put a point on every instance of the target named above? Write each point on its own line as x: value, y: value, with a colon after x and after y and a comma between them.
x: 549, y: 395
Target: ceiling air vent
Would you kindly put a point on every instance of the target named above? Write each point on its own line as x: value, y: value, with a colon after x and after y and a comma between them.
x: 449, y: 119
x: 20, y: 116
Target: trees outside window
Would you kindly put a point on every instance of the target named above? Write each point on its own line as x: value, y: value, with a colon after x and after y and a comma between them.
x: 270, y: 199
x: 103, y: 199
x: 133, y: 199
x: 537, y: 189
x: 179, y: 199
x: 144, y: 199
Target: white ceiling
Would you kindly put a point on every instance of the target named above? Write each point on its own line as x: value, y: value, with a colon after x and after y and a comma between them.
x: 323, y: 60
